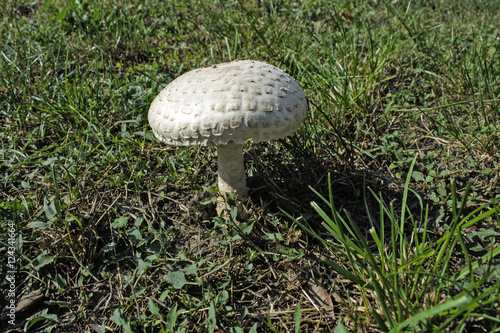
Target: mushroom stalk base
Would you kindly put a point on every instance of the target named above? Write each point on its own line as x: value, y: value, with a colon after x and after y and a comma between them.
x: 232, y: 178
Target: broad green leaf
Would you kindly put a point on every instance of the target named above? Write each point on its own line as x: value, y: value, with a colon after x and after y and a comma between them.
x: 176, y: 279
x: 246, y: 228
x: 212, y: 321
x: 46, y: 4
x: 172, y: 318
x: 119, y: 222
x: 340, y: 328
x: 135, y: 236
x: 418, y: 176
x: 49, y: 209
x: 62, y: 14
x: 191, y: 269
x: 253, y: 329
x: 153, y: 308
x: 39, y: 225
x: 486, y: 171
x: 42, y: 260
x: 119, y: 319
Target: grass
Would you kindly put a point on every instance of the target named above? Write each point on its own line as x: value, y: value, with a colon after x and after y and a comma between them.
x: 379, y: 214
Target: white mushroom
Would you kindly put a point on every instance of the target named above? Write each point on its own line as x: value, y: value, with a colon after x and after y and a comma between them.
x: 224, y: 105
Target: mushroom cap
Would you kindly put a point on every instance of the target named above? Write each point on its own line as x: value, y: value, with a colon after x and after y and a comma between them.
x: 228, y: 102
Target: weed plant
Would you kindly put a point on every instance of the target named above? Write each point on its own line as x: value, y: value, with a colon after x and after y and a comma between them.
x: 379, y: 215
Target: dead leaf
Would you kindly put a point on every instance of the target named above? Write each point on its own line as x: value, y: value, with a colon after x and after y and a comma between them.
x: 319, y: 296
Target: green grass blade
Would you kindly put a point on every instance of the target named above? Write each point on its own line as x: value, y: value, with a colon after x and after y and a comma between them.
x: 412, y: 322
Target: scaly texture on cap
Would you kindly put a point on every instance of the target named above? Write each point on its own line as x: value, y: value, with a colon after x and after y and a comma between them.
x: 228, y: 102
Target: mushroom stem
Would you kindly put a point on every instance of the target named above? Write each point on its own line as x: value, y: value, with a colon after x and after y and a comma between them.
x: 232, y: 177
